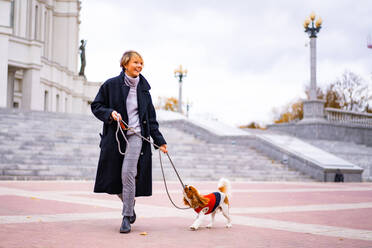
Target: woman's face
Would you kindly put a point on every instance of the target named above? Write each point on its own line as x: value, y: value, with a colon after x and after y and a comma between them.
x: 134, y: 66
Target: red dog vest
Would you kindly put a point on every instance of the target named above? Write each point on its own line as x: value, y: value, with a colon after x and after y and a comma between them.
x: 214, y: 201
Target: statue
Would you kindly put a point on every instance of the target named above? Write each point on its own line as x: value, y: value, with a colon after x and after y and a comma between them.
x: 82, y: 57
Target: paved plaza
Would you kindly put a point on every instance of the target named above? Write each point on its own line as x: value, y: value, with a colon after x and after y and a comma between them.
x: 65, y: 214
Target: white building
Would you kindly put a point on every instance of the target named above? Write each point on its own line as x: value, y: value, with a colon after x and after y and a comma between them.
x: 39, y: 55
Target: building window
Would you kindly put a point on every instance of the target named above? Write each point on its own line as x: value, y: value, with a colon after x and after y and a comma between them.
x: 66, y: 104
x: 36, y: 22
x: 57, y: 103
x: 46, y: 97
x: 45, y: 32
x: 15, y: 105
x: 45, y: 25
x: 11, y: 13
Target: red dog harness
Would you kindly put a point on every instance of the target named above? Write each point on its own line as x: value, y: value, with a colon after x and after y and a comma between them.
x: 214, y: 201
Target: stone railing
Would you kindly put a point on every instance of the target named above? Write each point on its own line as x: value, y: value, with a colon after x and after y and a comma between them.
x: 348, y: 117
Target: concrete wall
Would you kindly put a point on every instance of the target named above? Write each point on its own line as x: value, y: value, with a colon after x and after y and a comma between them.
x: 327, y: 131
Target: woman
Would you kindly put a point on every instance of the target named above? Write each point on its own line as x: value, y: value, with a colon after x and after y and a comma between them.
x: 126, y: 97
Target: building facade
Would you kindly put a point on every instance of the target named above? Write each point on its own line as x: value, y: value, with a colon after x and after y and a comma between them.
x: 39, y: 57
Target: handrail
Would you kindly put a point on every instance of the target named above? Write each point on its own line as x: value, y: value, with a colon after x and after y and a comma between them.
x: 348, y: 117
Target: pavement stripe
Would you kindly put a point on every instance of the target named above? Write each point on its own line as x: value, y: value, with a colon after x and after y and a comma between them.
x: 7, y: 191
x: 352, y: 189
x: 143, y: 211
x: 324, y: 230
x: 153, y: 212
x: 302, y: 190
x: 18, y: 219
x: 302, y: 208
x: 115, y: 204
x: 63, y: 198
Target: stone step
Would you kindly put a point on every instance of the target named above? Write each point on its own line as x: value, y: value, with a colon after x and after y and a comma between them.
x: 39, y: 145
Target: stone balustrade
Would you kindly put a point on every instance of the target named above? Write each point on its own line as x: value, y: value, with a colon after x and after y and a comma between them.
x: 348, y: 117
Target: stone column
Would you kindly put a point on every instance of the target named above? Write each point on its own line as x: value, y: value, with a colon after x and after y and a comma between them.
x: 6, y: 30
x: 313, y: 108
x: 32, y: 95
x: 314, y: 111
x: 180, y: 97
x: 10, y: 88
x: 313, y: 68
x: 4, y: 40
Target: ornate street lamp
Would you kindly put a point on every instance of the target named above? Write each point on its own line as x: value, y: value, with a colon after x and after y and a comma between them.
x: 180, y: 74
x: 312, y: 30
x: 313, y: 108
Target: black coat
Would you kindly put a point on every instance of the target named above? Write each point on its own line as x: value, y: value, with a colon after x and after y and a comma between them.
x: 111, y: 96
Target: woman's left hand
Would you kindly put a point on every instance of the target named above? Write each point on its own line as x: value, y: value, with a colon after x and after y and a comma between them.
x: 163, y: 148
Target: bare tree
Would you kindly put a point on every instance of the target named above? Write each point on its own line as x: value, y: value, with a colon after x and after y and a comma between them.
x: 332, y: 97
x: 350, y: 92
x: 353, y: 92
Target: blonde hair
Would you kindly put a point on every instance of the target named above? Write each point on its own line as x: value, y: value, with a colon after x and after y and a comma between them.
x: 127, y: 56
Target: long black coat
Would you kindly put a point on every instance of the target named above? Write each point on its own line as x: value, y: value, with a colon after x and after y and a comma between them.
x: 111, y: 96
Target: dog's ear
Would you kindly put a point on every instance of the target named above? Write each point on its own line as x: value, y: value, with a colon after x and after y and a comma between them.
x: 198, y: 200
x: 203, y: 201
x: 194, y: 201
x: 186, y: 202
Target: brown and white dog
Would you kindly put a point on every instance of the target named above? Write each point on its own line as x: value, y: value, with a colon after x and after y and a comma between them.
x: 209, y: 204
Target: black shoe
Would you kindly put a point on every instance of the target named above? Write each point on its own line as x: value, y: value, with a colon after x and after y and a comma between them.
x: 125, y: 225
x: 132, y: 219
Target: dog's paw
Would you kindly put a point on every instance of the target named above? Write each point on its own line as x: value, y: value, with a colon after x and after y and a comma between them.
x: 193, y: 228
x: 210, y: 225
x: 228, y: 225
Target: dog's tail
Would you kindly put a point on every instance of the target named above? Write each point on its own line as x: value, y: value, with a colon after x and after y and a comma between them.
x: 224, y: 186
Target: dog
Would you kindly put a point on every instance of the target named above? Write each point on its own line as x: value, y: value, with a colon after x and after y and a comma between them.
x: 209, y: 204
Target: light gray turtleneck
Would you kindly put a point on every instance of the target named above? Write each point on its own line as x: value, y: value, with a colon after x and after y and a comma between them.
x: 132, y: 103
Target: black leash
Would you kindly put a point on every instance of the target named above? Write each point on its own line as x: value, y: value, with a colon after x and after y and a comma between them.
x: 161, y: 163
x: 165, y: 183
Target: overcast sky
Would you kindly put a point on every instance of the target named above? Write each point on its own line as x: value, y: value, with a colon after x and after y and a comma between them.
x: 244, y: 58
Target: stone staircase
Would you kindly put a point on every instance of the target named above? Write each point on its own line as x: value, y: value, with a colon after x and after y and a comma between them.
x: 360, y: 155
x: 41, y: 146
x: 196, y: 159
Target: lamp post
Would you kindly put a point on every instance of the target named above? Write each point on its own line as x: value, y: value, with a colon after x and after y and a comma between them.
x: 180, y: 74
x: 312, y: 31
x: 313, y: 108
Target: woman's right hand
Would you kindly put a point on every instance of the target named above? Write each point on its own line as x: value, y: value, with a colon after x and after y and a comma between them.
x: 116, y: 116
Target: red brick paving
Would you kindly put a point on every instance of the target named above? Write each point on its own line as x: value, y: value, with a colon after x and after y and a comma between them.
x: 173, y: 231
x: 271, y: 199
x: 355, y: 218
x: 50, y: 185
x: 17, y: 205
x: 161, y: 233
